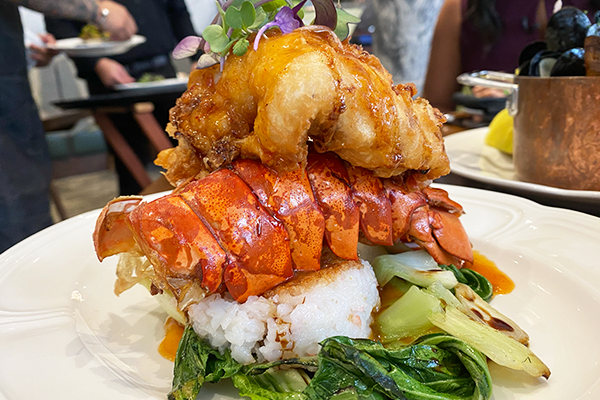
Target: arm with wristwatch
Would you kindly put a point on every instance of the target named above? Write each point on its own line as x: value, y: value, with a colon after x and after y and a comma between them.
x: 108, y: 15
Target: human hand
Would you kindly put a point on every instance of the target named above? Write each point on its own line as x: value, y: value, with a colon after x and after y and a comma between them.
x: 43, y: 55
x: 119, y: 22
x: 112, y: 72
x: 482, y: 91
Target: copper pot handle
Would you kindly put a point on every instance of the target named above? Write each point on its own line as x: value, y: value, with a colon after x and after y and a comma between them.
x: 498, y: 80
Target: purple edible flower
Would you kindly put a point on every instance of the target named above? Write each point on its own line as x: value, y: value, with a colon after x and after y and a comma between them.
x: 187, y: 47
x: 285, y: 20
x: 207, y: 60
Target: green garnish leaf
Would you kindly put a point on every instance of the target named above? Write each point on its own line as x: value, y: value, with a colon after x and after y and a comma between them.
x: 242, y: 17
x: 237, y: 3
x: 342, y: 30
x: 240, y: 47
x: 259, y: 18
x: 216, y: 37
x: 233, y: 16
x: 274, y: 5
x: 220, y: 9
x: 248, y: 14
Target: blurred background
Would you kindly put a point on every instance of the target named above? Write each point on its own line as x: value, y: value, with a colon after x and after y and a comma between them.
x: 397, y: 31
x: 83, y: 170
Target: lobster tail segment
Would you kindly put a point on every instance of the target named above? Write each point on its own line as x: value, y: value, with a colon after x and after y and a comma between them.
x: 257, y: 243
x: 177, y: 243
x: 247, y: 228
x: 331, y: 185
x: 289, y: 198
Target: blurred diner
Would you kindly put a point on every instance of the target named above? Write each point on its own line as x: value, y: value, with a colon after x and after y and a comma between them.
x: 476, y: 35
x: 25, y: 167
x: 163, y: 23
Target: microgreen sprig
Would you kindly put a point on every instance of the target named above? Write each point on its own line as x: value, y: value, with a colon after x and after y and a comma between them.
x: 238, y: 19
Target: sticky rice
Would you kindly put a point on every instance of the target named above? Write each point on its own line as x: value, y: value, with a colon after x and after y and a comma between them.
x: 291, y: 320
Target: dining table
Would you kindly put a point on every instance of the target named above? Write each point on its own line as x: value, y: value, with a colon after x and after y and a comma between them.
x: 140, y: 102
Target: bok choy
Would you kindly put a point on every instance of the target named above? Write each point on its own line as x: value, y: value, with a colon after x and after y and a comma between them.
x: 435, y: 367
x: 416, y: 267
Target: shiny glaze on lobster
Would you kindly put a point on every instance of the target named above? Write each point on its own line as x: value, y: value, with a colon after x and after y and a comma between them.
x: 246, y: 228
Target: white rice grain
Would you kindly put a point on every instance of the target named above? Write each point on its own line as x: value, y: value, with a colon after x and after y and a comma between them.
x: 292, y: 319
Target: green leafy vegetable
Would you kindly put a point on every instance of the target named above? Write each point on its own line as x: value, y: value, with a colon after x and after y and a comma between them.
x: 197, y: 362
x: 479, y: 310
x: 435, y: 367
x: 407, y: 317
x: 500, y: 348
x: 417, y: 267
x: 475, y: 280
x: 273, y: 384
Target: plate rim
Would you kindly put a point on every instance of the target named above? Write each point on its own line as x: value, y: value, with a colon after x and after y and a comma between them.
x: 151, y: 85
x: 480, y: 196
x: 98, y: 49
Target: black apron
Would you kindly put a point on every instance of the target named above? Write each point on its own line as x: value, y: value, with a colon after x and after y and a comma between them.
x: 25, y: 167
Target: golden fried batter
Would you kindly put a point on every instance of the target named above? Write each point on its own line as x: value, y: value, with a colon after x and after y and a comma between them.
x: 307, y: 84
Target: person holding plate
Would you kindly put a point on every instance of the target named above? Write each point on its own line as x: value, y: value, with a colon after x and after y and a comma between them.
x: 163, y: 23
x: 25, y: 168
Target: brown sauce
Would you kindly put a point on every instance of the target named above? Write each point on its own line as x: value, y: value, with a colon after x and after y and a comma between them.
x: 388, y: 296
x: 173, y: 333
x: 501, y: 283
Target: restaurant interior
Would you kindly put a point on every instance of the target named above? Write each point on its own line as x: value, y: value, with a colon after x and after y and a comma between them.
x: 458, y: 140
x: 84, y: 176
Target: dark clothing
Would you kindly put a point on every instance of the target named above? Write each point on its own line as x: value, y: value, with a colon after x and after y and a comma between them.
x: 132, y: 133
x: 518, y: 30
x: 164, y: 23
x: 25, y: 167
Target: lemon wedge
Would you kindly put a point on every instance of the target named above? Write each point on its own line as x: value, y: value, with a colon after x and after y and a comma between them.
x: 500, y: 134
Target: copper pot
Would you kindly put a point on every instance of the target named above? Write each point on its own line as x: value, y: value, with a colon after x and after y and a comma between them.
x: 556, y: 127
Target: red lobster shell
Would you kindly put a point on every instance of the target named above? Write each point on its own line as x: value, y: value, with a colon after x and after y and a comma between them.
x: 247, y: 228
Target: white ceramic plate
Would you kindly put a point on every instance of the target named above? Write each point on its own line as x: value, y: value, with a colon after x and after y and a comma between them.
x: 471, y: 158
x: 151, y: 85
x: 77, y: 47
x: 65, y: 335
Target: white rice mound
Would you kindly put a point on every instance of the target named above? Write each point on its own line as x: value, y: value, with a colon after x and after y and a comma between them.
x: 292, y: 319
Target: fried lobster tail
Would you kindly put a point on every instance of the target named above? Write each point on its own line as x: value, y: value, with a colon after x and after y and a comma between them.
x: 304, y: 142
x: 304, y: 85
